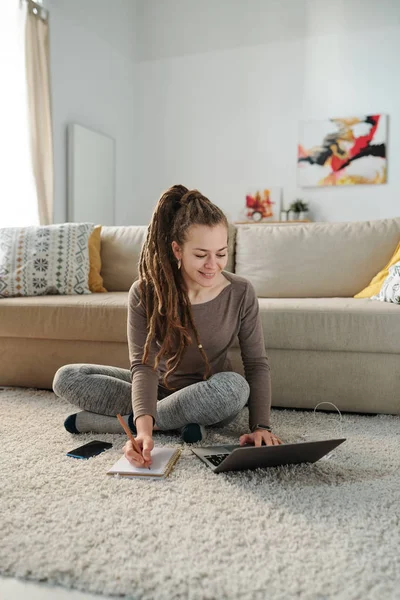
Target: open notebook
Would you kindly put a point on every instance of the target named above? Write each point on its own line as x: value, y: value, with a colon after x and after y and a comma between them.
x: 163, y: 460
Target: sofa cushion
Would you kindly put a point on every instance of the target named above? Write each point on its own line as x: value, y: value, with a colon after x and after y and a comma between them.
x: 95, y: 279
x: 49, y: 259
x: 120, y: 252
x: 95, y: 317
x: 377, y: 282
x: 390, y: 290
x: 314, y: 259
x: 335, y: 324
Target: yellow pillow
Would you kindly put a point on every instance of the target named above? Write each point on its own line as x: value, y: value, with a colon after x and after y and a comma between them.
x: 95, y: 279
x: 376, y: 283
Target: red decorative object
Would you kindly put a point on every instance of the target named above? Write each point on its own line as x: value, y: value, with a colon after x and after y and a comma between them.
x: 259, y: 205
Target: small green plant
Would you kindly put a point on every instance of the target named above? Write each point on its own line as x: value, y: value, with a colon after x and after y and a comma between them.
x: 299, y: 206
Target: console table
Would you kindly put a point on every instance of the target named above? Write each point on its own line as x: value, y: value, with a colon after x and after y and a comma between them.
x: 269, y: 222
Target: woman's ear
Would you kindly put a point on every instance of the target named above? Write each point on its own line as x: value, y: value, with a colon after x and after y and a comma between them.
x: 176, y: 249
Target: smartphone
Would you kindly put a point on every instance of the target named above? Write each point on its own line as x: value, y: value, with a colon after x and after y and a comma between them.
x: 89, y: 449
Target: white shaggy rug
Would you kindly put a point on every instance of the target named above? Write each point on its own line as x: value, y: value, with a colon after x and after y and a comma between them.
x: 321, y: 531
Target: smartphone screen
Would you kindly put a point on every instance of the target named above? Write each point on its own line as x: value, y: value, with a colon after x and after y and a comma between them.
x: 89, y: 449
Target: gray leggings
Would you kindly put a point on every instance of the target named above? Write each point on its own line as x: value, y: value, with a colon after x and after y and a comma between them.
x: 108, y: 391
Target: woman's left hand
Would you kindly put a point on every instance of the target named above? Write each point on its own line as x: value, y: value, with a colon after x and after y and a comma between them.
x: 258, y: 437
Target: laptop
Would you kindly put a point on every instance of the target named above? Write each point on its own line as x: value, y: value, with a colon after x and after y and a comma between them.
x: 238, y: 458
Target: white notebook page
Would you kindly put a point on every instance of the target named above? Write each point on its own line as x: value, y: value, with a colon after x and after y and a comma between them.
x: 159, y: 456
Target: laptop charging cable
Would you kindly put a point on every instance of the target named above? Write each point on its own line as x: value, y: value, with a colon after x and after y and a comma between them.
x: 338, y: 430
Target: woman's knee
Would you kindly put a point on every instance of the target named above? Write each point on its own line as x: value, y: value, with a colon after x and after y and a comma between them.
x: 234, y: 386
x: 64, y: 379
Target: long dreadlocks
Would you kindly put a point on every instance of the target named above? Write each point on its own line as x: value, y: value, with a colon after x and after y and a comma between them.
x: 162, y: 288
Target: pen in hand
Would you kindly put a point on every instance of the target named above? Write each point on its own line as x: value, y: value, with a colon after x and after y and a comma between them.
x: 129, y: 434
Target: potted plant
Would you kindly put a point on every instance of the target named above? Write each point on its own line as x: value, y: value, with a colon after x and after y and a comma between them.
x: 300, y: 209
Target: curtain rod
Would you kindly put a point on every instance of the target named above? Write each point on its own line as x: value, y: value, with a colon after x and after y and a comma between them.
x: 37, y: 9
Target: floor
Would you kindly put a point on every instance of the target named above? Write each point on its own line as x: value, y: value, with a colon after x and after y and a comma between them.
x: 15, y: 589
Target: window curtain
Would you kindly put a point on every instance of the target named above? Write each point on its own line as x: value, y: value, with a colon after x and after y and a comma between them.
x: 37, y: 56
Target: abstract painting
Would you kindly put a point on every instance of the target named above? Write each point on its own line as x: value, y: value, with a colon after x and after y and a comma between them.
x: 343, y: 151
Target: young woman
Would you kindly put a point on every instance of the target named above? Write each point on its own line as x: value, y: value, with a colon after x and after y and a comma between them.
x: 184, y: 314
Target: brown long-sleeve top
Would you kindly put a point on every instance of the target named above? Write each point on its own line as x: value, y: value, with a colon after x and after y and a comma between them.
x: 234, y: 312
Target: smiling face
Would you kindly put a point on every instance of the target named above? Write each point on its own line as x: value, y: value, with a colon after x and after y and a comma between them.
x: 204, y: 255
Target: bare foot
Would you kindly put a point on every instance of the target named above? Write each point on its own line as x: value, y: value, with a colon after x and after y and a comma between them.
x: 155, y: 428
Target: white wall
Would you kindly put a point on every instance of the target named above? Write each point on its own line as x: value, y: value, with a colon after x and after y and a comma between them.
x: 210, y: 93
x: 223, y: 84
x: 93, y: 53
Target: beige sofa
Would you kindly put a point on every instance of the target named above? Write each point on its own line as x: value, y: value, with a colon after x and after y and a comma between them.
x: 322, y: 344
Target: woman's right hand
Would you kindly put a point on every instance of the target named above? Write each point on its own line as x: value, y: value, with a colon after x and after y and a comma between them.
x: 146, y: 445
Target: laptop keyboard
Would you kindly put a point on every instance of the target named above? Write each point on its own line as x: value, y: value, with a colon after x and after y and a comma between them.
x: 216, y: 459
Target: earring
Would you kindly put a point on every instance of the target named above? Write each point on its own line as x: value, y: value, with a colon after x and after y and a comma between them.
x: 179, y: 263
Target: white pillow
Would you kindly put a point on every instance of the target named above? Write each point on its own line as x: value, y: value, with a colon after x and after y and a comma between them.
x: 390, y: 290
x: 51, y: 259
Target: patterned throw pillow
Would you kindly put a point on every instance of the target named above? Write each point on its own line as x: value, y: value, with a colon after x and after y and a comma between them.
x: 390, y: 290
x: 52, y: 259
